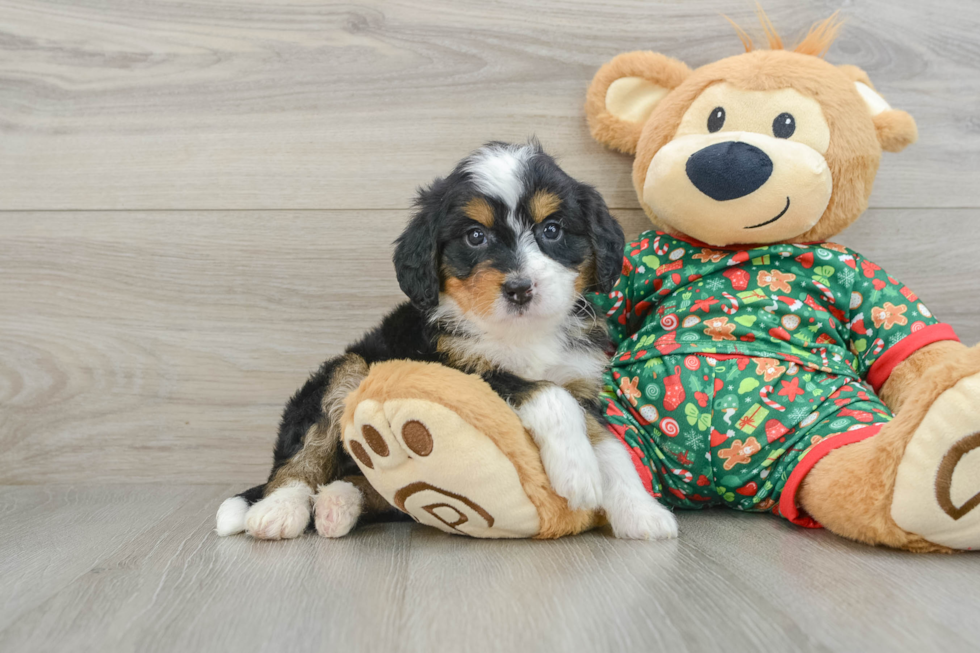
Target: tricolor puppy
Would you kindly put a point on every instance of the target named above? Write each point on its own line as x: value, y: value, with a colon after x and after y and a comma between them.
x: 497, y: 262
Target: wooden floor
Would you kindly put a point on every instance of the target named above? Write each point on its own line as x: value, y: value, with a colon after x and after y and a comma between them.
x: 137, y: 568
x: 197, y: 202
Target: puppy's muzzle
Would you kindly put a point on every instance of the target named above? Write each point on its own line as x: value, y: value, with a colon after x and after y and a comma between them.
x: 729, y: 170
x: 519, y: 292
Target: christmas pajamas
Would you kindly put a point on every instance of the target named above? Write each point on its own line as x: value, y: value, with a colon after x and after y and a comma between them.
x: 736, y: 370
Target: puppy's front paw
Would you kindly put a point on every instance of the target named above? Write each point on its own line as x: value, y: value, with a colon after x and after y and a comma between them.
x: 282, y: 515
x: 557, y: 424
x: 336, y: 509
x: 643, y: 520
x: 575, y: 476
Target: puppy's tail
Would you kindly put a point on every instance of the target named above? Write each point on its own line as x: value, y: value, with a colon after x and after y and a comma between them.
x: 231, y: 513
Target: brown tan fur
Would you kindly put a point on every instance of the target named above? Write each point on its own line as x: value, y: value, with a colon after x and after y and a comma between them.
x: 314, y: 464
x: 474, y: 401
x: 855, y: 142
x: 477, y: 292
x: 850, y: 490
x: 543, y: 204
x: 479, y: 210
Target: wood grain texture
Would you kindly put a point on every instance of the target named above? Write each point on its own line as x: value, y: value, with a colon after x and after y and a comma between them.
x: 245, y: 104
x: 162, y: 346
x: 732, y: 582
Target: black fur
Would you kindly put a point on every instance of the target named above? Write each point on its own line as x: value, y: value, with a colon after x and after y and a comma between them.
x: 433, y: 246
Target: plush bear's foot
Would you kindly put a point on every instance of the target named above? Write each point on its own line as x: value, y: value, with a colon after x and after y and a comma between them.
x: 441, y: 446
x: 282, y: 515
x: 336, y: 508
x: 937, y: 486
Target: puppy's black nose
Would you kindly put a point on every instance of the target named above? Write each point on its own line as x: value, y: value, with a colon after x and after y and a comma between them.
x: 518, y: 291
x: 729, y: 170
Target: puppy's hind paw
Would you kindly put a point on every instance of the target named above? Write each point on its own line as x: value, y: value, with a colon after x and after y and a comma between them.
x: 577, y: 479
x: 336, y: 508
x: 282, y: 515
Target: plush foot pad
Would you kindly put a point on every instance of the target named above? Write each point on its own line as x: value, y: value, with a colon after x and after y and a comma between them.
x: 937, y: 487
x: 282, y: 515
x: 336, y: 508
x: 427, y: 461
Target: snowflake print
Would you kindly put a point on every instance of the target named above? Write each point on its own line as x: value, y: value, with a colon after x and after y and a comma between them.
x: 715, y: 284
x: 847, y: 277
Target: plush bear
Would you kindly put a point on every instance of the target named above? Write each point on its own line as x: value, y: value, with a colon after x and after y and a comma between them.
x: 757, y: 365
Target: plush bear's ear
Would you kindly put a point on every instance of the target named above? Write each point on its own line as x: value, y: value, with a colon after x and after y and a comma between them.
x: 896, y: 129
x: 625, y: 91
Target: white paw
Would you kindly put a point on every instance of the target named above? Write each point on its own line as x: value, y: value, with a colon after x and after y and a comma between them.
x: 231, y: 516
x: 336, y: 508
x: 574, y: 476
x: 557, y: 424
x: 643, y: 520
x: 282, y: 515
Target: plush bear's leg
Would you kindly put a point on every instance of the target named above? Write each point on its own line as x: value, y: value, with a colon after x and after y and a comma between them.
x: 916, y: 484
x: 443, y: 447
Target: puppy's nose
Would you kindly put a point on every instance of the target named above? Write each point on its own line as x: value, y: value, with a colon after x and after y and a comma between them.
x: 729, y: 170
x: 518, y: 291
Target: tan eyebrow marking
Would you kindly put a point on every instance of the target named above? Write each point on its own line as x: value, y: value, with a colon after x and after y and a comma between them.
x: 543, y: 203
x: 479, y: 209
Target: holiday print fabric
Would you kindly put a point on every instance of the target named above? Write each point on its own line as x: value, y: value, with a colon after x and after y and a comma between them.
x: 729, y: 431
x: 731, y: 365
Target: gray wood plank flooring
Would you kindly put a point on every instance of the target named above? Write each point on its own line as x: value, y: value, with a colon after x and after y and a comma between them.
x: 197, y: 202
x: 161, y: 580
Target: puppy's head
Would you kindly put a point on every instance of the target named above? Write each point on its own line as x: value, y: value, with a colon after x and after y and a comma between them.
x: 508, y: 236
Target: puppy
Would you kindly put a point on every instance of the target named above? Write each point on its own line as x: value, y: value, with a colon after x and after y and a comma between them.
x: 497, y: 262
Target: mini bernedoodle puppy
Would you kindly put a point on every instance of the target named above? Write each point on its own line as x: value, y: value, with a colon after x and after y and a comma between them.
x: 497, y: 262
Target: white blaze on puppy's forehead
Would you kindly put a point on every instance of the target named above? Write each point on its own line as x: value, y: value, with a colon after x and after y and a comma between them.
x: 497, y: 171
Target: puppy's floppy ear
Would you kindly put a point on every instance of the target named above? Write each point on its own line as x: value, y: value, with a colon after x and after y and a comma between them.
x: 625, y: 92
x: 607, y: 239
x: 416, y: 252
x: 896, y: 129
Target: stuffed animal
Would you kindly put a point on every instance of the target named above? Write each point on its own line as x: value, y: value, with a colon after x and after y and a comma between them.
x: 759, y: 365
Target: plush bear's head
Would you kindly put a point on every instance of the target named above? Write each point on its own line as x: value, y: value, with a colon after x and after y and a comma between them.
x: 764, y: 147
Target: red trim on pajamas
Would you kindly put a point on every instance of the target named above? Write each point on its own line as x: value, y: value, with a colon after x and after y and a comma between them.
x: 787, y: 501
x: 895, y: 355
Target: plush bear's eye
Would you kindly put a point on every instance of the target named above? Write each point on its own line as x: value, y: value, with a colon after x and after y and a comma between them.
x: 716, y: 119
x: 784, y: 125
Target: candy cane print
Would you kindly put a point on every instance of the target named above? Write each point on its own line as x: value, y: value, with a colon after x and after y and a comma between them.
x: 879, y: 345
x: 618, y: 294
x: 823, y: 356
x: 659, y: 249
x: 730, y: 310
x: 685, y: 475
x: 826, y: 291
x: 769, y: 402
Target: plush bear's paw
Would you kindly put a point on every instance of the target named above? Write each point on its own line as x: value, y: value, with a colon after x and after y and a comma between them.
x: 937, y: 485
x: 429, y: 462
x: 336, y: 508
x: 282, y: 515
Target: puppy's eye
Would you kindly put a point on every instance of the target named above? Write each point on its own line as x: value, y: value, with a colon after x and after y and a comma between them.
x: 475, y: 237
x: 716, y: 120
x: 784, y: 125
x: 551, y: 231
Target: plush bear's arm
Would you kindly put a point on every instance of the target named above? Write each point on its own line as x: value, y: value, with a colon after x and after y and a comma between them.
x: 933, y: 364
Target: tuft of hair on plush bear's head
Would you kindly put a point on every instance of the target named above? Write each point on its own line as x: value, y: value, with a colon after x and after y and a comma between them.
x: 772, y: 145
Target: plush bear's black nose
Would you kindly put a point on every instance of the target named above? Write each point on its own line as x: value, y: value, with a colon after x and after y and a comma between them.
x: 729, y: 170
